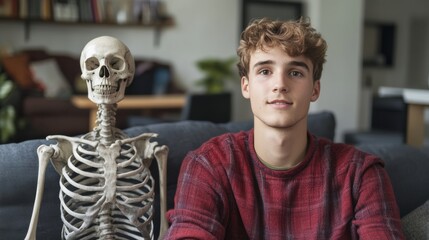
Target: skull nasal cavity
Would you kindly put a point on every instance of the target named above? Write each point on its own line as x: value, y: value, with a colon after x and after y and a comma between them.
x: 104, y: 72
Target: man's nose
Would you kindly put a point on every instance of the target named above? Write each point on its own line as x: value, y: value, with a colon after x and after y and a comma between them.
x: 280, y: 83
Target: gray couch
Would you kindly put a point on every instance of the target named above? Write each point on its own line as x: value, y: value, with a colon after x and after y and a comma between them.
x: 407, y: 167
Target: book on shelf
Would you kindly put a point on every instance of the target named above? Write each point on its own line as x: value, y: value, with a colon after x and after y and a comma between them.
x: 46, y: 9
x: 97, y: 11
x: 65, y: 10
x: 9, y: 8
x: 23, y: 8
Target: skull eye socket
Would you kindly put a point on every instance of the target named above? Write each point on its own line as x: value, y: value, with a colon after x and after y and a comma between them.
x: 117, y: 63
x: 92, y: 64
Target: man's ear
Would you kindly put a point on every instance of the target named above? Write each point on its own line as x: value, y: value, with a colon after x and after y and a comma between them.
x: 316, y: 91
x: 245, y: 87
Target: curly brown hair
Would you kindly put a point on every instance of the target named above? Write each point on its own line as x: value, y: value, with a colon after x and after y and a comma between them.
x: 296, y: 38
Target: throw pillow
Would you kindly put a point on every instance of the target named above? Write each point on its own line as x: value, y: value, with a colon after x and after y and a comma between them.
x: 48, y: 74
x: 416, y: 223
x: 17, y: 66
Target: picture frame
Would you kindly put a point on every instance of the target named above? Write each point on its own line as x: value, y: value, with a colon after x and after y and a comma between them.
x: 379, y: 44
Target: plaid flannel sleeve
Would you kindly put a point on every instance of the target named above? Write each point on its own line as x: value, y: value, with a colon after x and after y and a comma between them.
x: 376, y: 210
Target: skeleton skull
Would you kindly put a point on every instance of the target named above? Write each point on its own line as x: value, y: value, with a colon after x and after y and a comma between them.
x: 108, y: 68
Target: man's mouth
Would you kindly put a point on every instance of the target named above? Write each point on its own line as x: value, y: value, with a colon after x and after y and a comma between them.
x: 280, y: 102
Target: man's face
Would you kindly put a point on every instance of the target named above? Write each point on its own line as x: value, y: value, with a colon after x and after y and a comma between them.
x: 280, y: 88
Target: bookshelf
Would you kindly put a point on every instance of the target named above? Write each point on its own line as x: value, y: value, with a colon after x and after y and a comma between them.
x: 146, y: 14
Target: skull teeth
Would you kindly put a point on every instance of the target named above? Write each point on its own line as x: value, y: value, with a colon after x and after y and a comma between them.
x: 105, y: 89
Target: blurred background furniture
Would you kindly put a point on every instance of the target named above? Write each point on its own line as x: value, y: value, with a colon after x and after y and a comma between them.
x: 388, y: 122
x: 417, y: 101
x: 139, y: 102
x: 55, y: 114
x: 212, y: 107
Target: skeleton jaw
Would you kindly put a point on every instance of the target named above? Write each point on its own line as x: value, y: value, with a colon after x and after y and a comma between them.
x: 106, y: 93
x: 105, y: 89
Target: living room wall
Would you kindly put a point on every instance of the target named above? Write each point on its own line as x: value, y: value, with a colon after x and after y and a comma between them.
x: 202, y: 29
x: 410, y: 67
x: 411, y: 19
x: 205, y: 28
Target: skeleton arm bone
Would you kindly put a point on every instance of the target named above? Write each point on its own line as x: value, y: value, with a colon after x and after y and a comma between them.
x: 58, y: 154
x: 161, y: 154
x: 44, y: 153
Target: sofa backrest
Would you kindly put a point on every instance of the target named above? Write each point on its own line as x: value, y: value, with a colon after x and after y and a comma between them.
x: 19, y: 163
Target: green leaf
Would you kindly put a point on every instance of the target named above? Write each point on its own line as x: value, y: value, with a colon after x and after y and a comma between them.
x: 217, y: 72
x: 7, y: 123
x: 5, y: 89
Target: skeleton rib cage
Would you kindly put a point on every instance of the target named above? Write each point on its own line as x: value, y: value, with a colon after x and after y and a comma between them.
x: 109, y: 195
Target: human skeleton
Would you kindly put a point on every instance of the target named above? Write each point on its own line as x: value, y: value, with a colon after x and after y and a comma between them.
x: 106, y: 189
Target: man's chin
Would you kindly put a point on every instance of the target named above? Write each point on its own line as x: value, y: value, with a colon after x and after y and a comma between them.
x: 275, y: 123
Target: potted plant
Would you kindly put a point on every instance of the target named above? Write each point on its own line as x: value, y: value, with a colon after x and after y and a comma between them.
x: 216, y: 73
x: 7, y: 110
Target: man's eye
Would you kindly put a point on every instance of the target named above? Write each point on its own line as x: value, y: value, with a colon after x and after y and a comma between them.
x: 264, y: 72
x: 295, y: 74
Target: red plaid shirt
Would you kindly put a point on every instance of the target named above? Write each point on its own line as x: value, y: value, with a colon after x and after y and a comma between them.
x: 337, y: 192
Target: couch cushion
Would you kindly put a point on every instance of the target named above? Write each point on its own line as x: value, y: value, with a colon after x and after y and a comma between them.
x: 374, y: 136
x: 416, y: 223
x: 322, y: 124
x: 237, y: 126
x: 48, y: 74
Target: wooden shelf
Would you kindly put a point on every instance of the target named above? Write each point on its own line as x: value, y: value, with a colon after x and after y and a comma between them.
x: 158, y: 26
x: 144, y: 102
x: 168, y: 22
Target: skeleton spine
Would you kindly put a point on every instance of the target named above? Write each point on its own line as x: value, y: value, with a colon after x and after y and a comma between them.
x: 106, y: 121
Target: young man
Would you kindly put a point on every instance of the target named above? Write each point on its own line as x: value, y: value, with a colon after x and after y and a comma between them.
x: 278, y: 181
